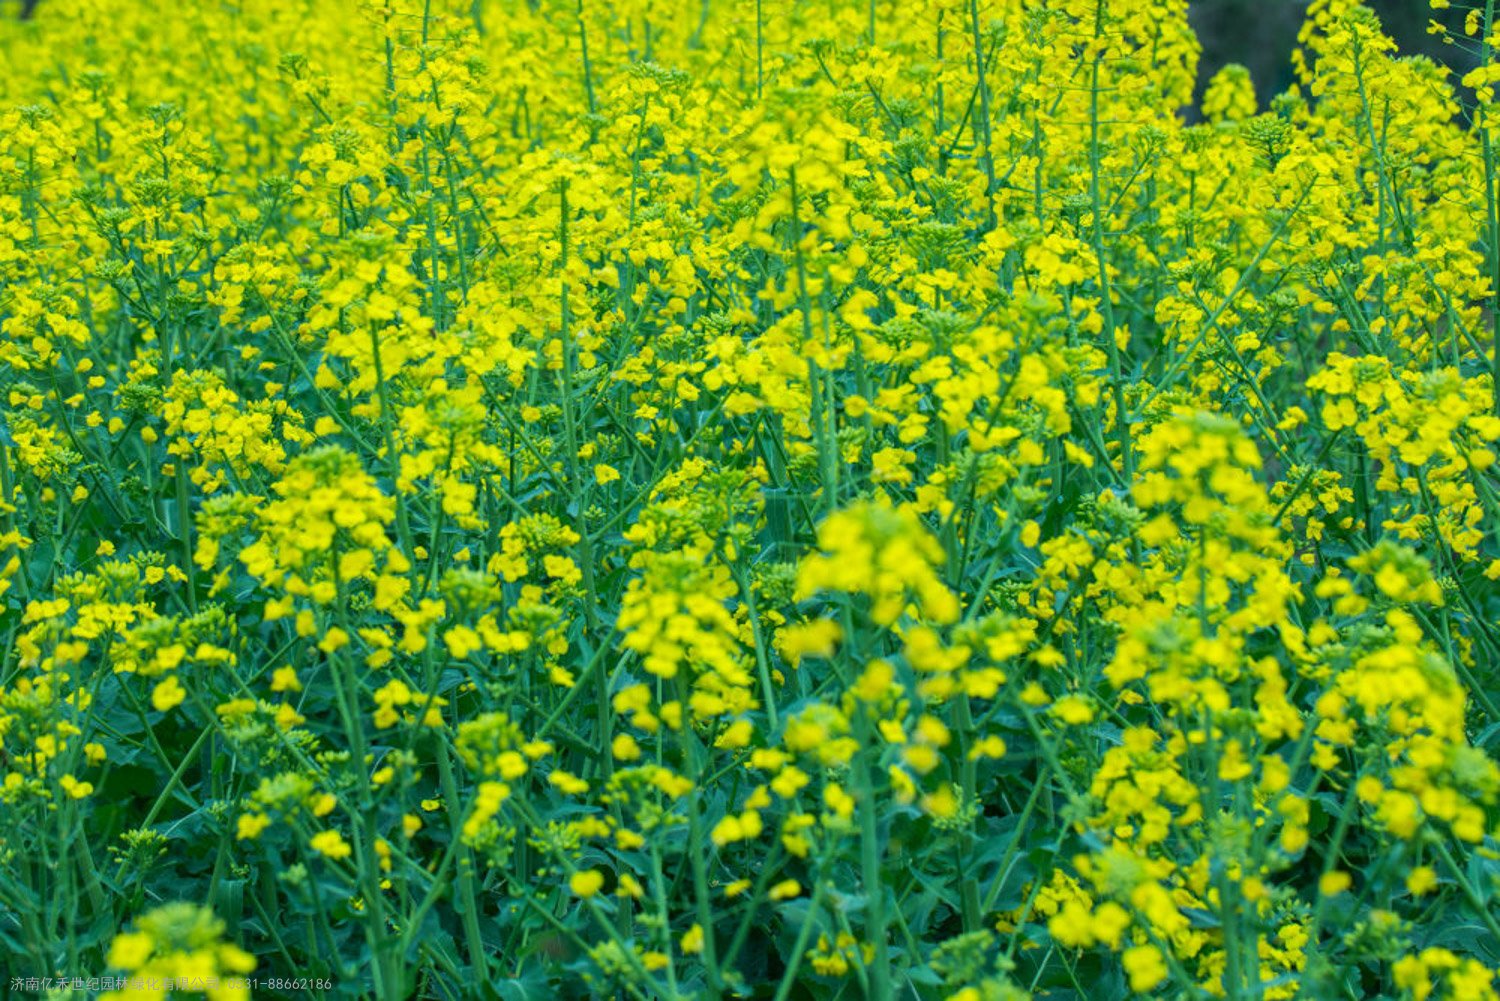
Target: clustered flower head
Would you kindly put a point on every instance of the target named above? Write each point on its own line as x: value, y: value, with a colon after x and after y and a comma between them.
x: 183, y: 943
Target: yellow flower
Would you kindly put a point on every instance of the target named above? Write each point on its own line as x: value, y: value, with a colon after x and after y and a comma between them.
x: 586, y: 882
x: 1421, y: 880
x: 130, y: 950
x: 1145, y: 967
x: 167, y: 694
x: 785, y: 890
x: 74, y: 788
x: 331, y: 844
x: 624, y: 747
x: 250, y: 826
x: 1331, y: 884
x: 1035, y: 695
x: 1074, y: 710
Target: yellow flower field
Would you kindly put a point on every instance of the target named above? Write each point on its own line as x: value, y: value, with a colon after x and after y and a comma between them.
x: 781, y: 499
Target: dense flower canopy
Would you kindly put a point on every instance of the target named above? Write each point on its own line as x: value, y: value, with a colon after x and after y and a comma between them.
x: 745, y: 498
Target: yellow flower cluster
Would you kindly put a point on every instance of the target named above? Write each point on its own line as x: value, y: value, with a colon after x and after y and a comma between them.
x: 182, y: 944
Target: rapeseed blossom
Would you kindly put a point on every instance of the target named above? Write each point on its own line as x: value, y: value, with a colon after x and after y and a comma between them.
x: 686, y: 500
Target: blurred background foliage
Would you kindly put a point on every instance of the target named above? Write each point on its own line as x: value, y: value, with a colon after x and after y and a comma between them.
x: 1258, y: 34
